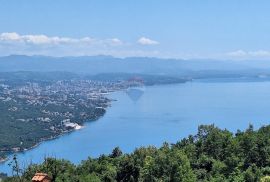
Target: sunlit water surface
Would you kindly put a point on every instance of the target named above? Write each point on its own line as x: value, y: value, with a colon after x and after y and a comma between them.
x: 162, y: 113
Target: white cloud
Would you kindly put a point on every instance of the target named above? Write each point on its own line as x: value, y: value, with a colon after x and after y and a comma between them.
x: 238, y: 53
x: 39, y: 44
x: 116, y: 41
x: 9, y: 36
x: 260, y: 53
x: 33, y: 39
x: 43, y: 39
x: 147, y: 41
x: 249, y: 54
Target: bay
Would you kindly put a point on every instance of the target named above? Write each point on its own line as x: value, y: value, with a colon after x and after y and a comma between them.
x: 162, y: 113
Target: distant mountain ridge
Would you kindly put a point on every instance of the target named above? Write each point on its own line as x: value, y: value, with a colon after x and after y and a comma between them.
x: 108, y: 64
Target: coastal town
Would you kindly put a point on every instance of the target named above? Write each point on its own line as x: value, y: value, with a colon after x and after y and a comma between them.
x: 32, y: 112
x: 42, y: 106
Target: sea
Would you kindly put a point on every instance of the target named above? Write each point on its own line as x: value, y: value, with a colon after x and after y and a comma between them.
x: 161, y: 113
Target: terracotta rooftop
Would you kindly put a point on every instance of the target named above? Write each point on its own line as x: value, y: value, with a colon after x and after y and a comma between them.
x: 40, y: 177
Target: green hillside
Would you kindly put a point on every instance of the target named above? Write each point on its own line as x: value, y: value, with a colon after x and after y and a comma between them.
x: 212, y: 154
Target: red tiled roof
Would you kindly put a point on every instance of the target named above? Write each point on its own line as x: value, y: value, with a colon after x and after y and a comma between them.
x: 40, y: 176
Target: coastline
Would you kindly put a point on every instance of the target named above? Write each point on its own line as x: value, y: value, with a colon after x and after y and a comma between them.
x: 99, y: 141
x: 13, y: 151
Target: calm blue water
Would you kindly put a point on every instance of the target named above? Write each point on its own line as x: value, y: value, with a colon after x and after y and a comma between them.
x: 163, y: 113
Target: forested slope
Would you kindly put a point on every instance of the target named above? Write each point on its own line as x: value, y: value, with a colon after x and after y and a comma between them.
x: 212, y: 154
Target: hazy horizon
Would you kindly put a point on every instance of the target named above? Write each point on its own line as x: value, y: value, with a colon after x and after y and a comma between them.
x: 179, y: 29
x: 147, y: 57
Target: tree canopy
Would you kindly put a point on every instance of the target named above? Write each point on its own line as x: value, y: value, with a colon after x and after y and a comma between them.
x: 212, y: 154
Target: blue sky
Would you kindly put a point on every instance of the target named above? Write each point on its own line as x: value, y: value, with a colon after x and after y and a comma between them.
x: 220, y: 29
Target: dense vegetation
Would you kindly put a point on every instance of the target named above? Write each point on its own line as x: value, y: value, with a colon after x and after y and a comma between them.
x: 23, y: 114
x: 212, y: 154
